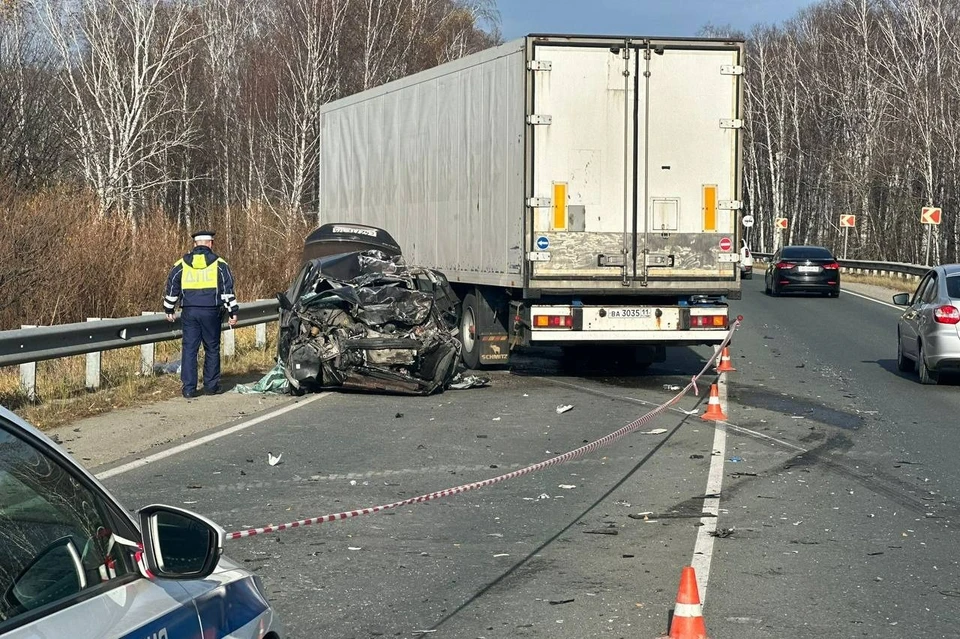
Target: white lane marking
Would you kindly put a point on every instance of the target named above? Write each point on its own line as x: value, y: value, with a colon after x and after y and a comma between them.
x: 149, y: 459
x: 873, y: 299
x: 703, y: 548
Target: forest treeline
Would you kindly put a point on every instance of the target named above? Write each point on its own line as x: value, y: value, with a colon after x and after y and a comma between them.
x: 853, y: 107
x: 125, y: 124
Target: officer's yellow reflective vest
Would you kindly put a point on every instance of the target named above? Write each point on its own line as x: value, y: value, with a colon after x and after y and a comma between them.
x: 199, y: 275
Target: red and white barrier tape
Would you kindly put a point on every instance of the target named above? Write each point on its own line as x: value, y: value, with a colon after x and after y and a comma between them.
x: 559, y: 459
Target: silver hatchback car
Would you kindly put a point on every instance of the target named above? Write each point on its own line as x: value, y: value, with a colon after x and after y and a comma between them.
x: 928, y: 332
x: 74, y: 564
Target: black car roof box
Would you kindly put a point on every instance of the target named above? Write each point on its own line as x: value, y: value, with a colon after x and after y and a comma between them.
x: 331, y: 239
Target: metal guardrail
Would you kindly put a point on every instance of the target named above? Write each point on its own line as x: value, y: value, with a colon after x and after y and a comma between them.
x: 27, y: 345
x: 872, y: 267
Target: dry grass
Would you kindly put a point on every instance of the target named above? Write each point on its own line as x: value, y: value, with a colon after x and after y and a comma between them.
x: 60, y: 261
x: 62, y: 397
x: 897, y: 284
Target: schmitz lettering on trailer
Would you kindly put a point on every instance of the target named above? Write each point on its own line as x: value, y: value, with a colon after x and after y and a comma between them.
x: 353, y: 229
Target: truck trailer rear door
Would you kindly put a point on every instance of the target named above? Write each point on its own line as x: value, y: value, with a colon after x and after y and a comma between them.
x: 584, y: 109
x: 634, y: 160
x: 688, y: 170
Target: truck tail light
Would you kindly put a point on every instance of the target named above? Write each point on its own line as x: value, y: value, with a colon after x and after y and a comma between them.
x: 708, y: 321
x: 552, y: 321
x: 946, y: 314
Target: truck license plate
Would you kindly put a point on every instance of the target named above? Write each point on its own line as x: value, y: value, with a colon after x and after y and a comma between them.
x: 625, y: 313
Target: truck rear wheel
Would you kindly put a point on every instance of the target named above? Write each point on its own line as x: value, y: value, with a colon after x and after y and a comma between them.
x: 469, y: 331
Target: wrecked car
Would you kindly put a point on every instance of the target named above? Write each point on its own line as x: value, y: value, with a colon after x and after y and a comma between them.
x: 358, y: 317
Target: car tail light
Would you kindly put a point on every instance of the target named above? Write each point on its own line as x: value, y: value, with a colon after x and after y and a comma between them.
x: 552, y: 321
x: 783, y: 266
x: 708, y: 321
x: 832, y: 266
x: 946, y: 314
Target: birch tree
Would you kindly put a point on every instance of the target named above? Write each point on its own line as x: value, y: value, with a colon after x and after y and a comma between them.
x: 119, y: 59
x: 231, y: 40
x: 31, y: 144
x: 308, y: 76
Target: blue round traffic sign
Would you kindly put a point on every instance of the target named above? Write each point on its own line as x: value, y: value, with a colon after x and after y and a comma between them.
x: 543, y: 243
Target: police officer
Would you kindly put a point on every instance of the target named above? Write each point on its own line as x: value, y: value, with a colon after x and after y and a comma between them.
x: 203, y: 284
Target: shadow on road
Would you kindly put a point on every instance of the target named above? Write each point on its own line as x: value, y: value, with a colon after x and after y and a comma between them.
x: 613, y: 367
x: 890, y: 365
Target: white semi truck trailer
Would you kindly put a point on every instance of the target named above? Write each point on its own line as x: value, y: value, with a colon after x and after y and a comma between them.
x: 576, y: 191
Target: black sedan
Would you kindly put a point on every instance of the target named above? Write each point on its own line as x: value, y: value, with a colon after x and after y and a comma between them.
x: 811, y: 269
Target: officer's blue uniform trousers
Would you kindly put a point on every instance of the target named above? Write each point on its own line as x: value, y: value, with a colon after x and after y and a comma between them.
x: 200, y: 324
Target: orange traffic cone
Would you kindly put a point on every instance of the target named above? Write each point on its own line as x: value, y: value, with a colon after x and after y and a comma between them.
x: 725, y: 365
x: 687, y: 620
x: 714, y: 410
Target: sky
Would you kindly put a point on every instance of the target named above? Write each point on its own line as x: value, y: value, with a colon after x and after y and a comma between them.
x: 681, y: 18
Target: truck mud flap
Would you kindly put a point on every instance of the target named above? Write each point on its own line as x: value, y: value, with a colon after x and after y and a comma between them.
x: 494, y: 349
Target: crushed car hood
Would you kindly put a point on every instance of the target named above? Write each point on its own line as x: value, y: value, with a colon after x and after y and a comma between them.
x: 365, y: 320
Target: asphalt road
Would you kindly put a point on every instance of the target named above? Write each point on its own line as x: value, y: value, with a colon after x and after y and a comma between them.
x: 837, y: 516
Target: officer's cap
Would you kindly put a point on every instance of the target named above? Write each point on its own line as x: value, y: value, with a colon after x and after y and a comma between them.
x: 203, y: 236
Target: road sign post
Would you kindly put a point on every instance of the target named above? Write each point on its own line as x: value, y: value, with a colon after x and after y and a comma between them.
x: 780, y: 224
x: 930, y: 215
x: 847, y: 222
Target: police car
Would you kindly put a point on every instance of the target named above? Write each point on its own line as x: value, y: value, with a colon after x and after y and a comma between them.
x: 74, y: 564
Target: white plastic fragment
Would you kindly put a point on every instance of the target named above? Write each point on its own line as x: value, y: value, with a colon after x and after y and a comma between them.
x: 272, y: 459
x: 563, y: 408
x: 567, y: 486
x: 655, y: 431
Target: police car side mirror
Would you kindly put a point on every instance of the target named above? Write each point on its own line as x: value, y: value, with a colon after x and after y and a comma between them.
x: 179, y: 544
x: 902, y: 299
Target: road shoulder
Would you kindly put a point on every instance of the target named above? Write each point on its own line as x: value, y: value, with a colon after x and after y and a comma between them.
x: 106, y: 438
x: 873, y: 291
